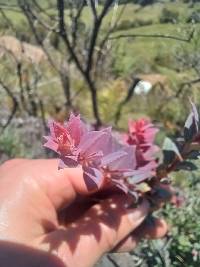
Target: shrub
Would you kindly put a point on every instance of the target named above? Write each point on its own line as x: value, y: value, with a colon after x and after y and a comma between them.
x: 194, y: 17
x: 168, y: 16
x: 127, y: 24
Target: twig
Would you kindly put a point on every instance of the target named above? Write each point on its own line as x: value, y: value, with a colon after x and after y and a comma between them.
x: 165, y: 36
x: 15, y: 104
x: 113, y: 261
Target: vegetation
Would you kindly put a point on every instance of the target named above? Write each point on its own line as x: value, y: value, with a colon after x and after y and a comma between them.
x: 135, y: 40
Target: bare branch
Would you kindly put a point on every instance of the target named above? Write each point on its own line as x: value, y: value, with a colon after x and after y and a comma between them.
x: 95, y: 31
x: 75, y: 23
x: 165, y: 36
x: 93, y: 8
x: 63, y: 34
x: 41, y: 9
x: 6, y: 19
x: 42, y: 22
x: 188, y: 83
x: 10, y: 7
x: 14, y: 100
x: 126, y: 99
x: 106, y: 37
x: 26, y: 10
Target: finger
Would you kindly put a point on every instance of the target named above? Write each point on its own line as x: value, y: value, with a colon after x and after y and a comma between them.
x: 9, y: 164
x: 155, y: 230
x: 61, y: 186
x: 98, y: 231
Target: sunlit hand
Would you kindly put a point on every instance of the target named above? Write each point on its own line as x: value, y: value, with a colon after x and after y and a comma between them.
x: 47, y: 218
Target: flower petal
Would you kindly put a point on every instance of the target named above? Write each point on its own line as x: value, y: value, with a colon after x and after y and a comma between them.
x: 93, y: 141
x: 51, y: 144
x: 76, y: 128
x: 92, y: 174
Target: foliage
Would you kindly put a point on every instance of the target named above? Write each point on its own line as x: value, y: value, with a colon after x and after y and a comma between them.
x: 123, y: 60
x: 181, y: 246
x: 194, y: 17
x: 127, y: 24
x: 10, y: 144
x: 169, y: 16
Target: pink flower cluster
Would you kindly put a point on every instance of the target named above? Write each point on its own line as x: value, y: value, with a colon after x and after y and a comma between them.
x: 103, y: 159
x: 142, y: 135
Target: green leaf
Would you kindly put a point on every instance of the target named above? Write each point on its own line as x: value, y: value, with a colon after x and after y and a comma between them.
x: 170, y: 151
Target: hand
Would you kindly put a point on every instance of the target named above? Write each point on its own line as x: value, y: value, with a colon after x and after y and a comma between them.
x: 48, y: 218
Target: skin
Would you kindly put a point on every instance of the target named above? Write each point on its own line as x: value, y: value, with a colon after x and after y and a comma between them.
x: 49, y: 218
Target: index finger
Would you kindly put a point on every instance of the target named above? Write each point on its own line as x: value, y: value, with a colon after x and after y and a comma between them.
x: 61, y: 186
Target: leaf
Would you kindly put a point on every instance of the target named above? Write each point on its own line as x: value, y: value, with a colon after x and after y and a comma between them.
x: 191, y: 127
x: 143, y: 187
x: 92, y: 177
x: 170, y: 151
x: 94, y: 141
x: 113, y: 157
x: 194, y: 155
x: 186, y: 165
x: 139, y: 176
x: 195, y: 114
x: 189, y: 131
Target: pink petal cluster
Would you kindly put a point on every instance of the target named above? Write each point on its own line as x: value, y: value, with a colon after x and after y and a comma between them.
x: 95, y: 151
x: 101, y: 157
x: 141, y: 137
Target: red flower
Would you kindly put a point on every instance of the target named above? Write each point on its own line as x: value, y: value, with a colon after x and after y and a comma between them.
x: 142, y: 135
x: 99, y: 154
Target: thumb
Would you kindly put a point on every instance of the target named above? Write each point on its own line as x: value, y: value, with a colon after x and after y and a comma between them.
x: 98, y: 231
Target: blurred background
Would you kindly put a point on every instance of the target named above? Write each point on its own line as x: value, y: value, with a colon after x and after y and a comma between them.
x: 109, y: 60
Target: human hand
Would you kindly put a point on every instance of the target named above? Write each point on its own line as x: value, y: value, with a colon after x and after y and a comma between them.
x: 48, y: 219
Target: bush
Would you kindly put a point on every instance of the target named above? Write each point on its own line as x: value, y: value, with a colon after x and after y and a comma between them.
x: 194, y: 17
x: 181, y: 247
x: 10, y: 144
x: 127, y: 24
x: 169, y: 16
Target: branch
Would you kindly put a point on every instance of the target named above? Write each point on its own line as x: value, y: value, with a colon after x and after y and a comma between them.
x: 41, y: 9
x: 162, y: 105
x: 75, y: 23
x: 97, y: 25
x: 93, y: 8
x: 15, y: 103
x: 63, y: 34
x: 31, y: 17
x: 114, y: 263
x: 26, y: 11
x: 7, y: 20
x: 188, y: 83
x: 10, y: 7
x: 42, y: 22
x: 165, y: 36
x: 126, y: 99
x: 106, y: 37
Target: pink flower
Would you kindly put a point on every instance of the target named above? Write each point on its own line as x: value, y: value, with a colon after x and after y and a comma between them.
x: 141, y: 138
x: 76, y: 146
x: 116, y: 164
x: 141, y: 132
x: 101, y: 157
x: 64, y: 138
